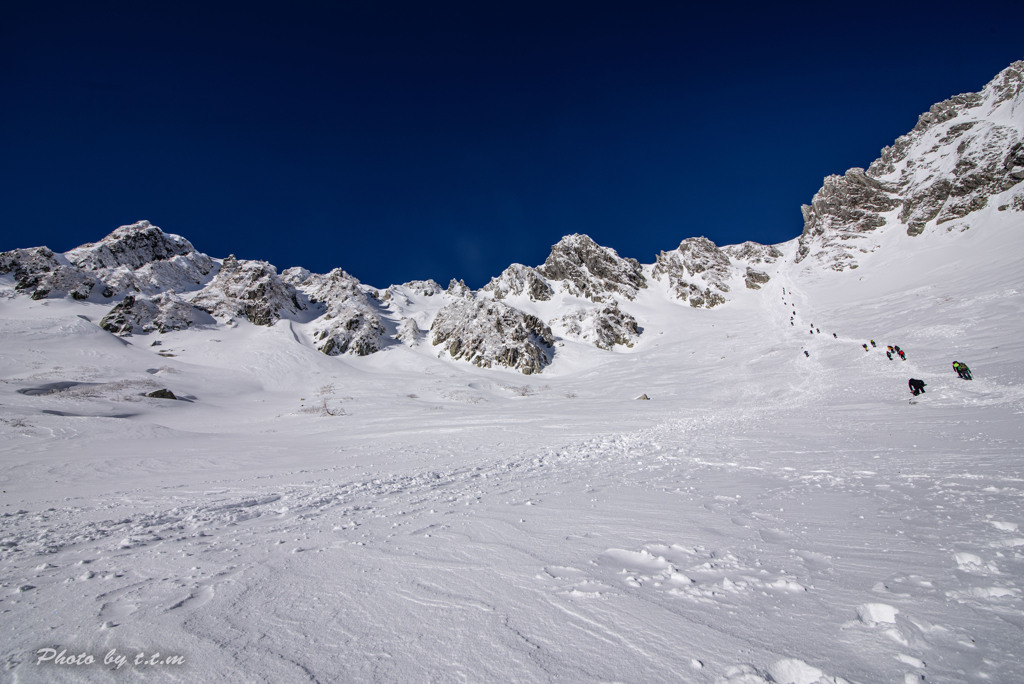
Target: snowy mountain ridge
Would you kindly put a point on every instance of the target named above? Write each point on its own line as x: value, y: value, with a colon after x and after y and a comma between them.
x: 964, y: 154
x: 286, y: 476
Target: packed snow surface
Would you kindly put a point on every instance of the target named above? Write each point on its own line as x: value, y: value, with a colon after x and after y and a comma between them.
x: 767, y: 516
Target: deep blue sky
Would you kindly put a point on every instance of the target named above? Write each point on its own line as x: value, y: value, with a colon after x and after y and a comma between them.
x: 406, y: 140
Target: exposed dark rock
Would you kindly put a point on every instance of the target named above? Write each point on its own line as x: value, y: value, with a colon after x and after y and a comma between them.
x: 588, y: 270
x: 251, y: 290
x: 960, y: 153
x: 162, y: 313
x: 162, y: 394
x: 693, y: 269
x: 518, y: 279
x: 604, y: 328
x: 492, y: 333
x: 351, y: 323
x: 755, y: 279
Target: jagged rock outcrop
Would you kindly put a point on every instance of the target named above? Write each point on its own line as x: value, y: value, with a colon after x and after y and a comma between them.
x: 844, y: 208
x: 135, y: 258
x: 162, y: 313
x: 697, y: 272
x: 251, y: 290
x: 753, y: 252
x: 458, y: 288
x: 962, y: 152
x: 351, y: 322
x: 350, y: 328
x: 518, y: 279
x: 589, y: 270
x: 602, y: 327
x: 492, y: 333
x: 754, y: 279
x: 41, y: 273
x: 142, y: 258
x: 427, y: 288
x: 404, y: 294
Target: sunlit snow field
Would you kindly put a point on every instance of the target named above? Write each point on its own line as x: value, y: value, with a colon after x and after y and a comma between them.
x: 765, y: 517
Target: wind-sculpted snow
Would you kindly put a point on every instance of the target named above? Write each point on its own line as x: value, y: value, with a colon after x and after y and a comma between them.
x: 492, y: 333
x: 962, y: 153
x: 251, y: 290
x: 589, y: 270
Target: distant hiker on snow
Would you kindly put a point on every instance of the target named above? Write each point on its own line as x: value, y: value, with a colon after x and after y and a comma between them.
x: 865, y: 347
x: 962, y: 370
x: 889, y: 354
x: 835, y: 336
x: 902, y: 355
x: 916, y: 386
x: 896, y: 349
x: 807, y: 353
x: 873, y: 343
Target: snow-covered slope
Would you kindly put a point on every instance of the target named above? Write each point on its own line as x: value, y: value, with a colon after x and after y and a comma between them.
x: 769, y: 515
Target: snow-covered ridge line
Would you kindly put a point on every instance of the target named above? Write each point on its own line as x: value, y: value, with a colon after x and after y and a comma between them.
x: 965, y: 155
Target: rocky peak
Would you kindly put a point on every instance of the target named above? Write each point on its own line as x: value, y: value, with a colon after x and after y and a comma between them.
x: 753, y: 252
x: 589, y: 270
x: 458, y: 288
x: 697, y: 272
x: 491, y: 333
x: 251, y: 290
x: 844, y: 209
x: 518, y: 279
x: 962, y: 152
x: 351, y: 322
x: 133, y: 246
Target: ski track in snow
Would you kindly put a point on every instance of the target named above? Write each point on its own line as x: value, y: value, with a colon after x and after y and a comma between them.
x: 757, y: 547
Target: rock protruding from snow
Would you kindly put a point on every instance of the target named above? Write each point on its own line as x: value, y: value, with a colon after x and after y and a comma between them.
x: 518, y: 279
x: 458, y: 288
x: 41, y: 273
x: 409, y: 332
x: 421, y: 288
x: 162, y: 313
x: 492, y: 333
x: 249, y: 289
x: 753, y: 252
x: 602, y: 327
x: 697, y: 272
x: 962, y: 152
x: 351, y: 323
x: 142, y: 258
x: 133, y: 246
x: 754, y: 279
x: 845, y: 207
x: 589, y: 270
